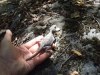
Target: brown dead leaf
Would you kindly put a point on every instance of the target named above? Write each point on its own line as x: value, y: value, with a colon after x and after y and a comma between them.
x: 74, y: 73
x: 76, y: 52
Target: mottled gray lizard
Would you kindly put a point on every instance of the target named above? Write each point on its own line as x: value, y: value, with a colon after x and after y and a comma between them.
x: 47, y: 41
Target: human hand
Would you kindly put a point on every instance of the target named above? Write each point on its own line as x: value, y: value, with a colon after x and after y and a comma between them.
x: 14, y: 58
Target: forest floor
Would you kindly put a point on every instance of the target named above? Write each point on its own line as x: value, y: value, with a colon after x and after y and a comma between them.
x: 78, y: 42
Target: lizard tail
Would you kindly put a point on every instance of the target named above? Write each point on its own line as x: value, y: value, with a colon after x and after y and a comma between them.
x: 32, y: 56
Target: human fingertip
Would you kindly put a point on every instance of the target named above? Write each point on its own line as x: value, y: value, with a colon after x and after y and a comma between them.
x: 8, y: 35
x: 8, y: 32
x: 53, y: 45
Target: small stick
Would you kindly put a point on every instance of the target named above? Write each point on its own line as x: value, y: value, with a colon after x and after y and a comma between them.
x: 64, y: 50
x: 78, y: 54
x: 62, y: 38
x: 96, y: 21
x: 65, y: 61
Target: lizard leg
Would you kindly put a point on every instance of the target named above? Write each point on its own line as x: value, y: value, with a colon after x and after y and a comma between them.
x: 47, y: 48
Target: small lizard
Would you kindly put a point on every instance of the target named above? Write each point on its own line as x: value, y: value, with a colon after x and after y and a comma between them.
x: 46, y: 42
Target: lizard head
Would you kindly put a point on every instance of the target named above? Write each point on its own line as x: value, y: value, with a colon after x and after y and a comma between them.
x: 54, y: 28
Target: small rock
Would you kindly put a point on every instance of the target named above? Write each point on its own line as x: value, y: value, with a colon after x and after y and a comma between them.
x: 44, y: 6
x: 33, y: 15
x: 47, y: 6
x: 35, y: 19
x: 50, y: 5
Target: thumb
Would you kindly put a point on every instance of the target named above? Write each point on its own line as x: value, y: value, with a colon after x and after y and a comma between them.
x: 6, y: 47
x: 8, y: 35
x: 6, y: 42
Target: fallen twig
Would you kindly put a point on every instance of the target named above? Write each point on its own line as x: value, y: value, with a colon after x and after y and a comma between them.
x: 96, y: 21
x: 64, y: 50
x: 62, y: 37
x: 75, y: 52
x: 65, y: 62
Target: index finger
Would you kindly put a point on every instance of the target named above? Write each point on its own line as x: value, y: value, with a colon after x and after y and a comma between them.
x: 33, y: 41
x: 39, y: 58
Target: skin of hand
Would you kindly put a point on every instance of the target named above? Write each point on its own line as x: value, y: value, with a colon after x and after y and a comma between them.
x: 14, y: 58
